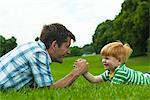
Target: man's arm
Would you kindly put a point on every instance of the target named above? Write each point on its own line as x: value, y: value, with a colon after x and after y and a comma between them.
x: 71, y: 77
x: 67, y: 80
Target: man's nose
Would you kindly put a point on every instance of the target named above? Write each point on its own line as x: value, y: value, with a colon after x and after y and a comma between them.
x: 69, y: 52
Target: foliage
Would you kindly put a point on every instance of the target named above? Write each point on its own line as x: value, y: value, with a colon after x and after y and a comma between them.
x: 87, y: 49
x: 81, y: 88
x: 100, y: 37
x: 6, y: 45
x: 131, y: 26
x: 77, y: 51
x: 149, y: 44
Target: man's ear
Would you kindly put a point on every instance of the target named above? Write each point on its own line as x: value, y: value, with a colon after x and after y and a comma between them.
x: 54, y: 45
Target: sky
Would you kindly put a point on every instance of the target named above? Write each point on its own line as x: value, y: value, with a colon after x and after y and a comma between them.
x: 24, y: 19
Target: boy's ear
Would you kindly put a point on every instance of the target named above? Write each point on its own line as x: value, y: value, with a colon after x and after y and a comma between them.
x: 120, y: 61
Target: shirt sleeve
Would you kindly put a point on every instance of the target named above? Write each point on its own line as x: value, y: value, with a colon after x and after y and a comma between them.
x: 40, y: 66
x: 104, y: 76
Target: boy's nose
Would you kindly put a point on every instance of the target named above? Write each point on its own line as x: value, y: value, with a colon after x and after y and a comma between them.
x: 103, y: 60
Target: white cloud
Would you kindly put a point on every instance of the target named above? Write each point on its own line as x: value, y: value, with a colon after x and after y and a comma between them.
x: 24, y: 18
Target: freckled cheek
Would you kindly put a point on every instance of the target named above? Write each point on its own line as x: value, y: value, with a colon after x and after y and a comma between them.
x: 110, y: 64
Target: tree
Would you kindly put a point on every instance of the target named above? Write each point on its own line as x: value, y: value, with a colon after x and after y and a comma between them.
x: 101, y: 37
x: 131, y: 26
x: 75, y: 51
x: 87, y: 49
x: 6, y: 45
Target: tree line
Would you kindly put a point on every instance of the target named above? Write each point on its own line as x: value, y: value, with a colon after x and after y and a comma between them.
x: 131, y: 25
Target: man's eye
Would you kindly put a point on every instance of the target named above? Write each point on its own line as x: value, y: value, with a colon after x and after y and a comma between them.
x: 68, y: 46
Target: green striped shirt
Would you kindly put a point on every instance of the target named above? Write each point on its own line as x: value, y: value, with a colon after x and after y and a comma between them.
x: 125, y: 75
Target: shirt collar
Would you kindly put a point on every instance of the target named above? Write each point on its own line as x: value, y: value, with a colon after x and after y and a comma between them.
x: 112, y: 74
x: 122, y: 65
x: 42, y: 45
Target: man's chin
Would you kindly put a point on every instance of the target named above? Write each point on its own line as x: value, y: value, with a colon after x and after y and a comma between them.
x: 60, y: 61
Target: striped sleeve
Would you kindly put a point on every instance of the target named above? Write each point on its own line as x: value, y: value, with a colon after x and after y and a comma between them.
x: 105, y: 75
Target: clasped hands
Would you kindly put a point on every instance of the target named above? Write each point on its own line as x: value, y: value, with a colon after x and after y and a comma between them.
x: 81, y: 65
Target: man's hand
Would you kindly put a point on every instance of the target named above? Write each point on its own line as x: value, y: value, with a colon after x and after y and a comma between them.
x: 81, y: 65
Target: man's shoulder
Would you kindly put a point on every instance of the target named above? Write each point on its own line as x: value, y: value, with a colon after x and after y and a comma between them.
x: 32, y: 46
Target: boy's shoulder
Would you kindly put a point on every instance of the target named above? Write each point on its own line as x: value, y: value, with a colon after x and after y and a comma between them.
x: 122, y: 69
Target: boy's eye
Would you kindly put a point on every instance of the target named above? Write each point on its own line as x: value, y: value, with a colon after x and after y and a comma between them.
x: 106, y: 58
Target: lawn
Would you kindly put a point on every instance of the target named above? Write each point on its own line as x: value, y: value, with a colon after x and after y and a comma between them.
x: 82, y: 89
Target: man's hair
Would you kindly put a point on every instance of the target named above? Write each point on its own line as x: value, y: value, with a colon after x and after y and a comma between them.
x: 118, y: 50
x: 54, y: 32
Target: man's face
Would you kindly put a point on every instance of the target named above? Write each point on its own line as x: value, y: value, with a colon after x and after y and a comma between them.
x: 60, y: 52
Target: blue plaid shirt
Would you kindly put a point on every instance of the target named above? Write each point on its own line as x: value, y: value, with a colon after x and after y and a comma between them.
x: 26, y: 65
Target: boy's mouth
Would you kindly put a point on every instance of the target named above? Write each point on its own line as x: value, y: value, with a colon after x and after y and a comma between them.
x: 106, y: 66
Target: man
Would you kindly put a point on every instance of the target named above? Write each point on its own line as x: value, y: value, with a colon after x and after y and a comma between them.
x: 28, y: 65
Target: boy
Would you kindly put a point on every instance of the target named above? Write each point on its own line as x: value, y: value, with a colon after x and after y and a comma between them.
x: 114, y: 57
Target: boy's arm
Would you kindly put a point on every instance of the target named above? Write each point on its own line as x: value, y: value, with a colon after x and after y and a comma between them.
x: 92, y: 78
x: 84, y: 64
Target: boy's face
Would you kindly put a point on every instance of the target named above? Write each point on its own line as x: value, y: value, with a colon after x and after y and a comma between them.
x: 110, y: 63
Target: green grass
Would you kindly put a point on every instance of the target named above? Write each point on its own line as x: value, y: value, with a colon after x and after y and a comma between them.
x: 82, y: 89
